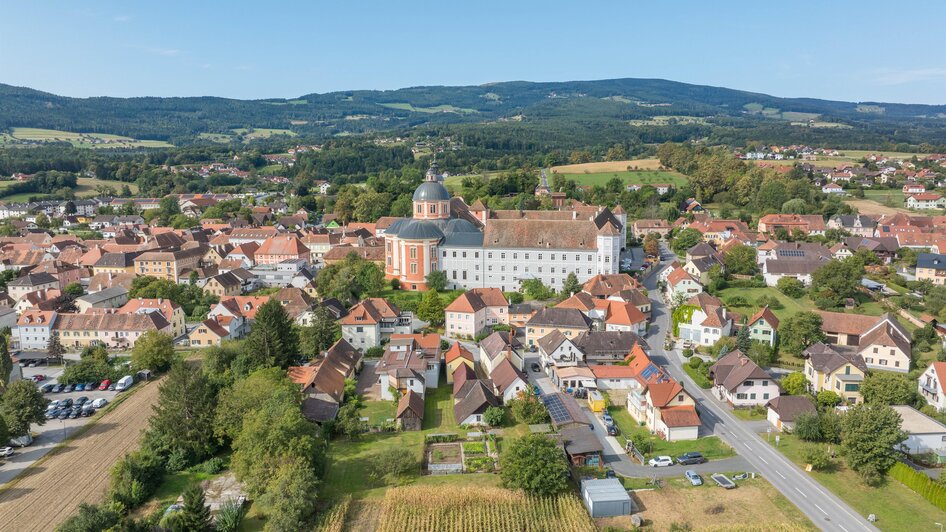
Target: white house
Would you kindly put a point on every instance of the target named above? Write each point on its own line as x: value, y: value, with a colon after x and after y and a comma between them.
x: 926, y: 201
x: 410, y: 362
x: 832, y: 188
x: 33, y: 330
x: 932, y: 386
x: 609, y: 377
x: 709, y: 320
x: 741, y: 382
x: 680, y: 283
x: 474, y: 311
x: 509, y: 380
x: 557, y: 350
x: 374, y: 320
x: 785, y: 409
x: 924, y: 434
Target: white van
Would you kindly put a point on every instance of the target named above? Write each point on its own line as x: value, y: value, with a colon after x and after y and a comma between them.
x: 124, y: 383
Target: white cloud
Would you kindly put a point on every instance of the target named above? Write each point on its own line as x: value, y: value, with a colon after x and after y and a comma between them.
x: 904, y: 76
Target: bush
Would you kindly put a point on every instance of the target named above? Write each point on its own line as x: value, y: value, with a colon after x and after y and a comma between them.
x: 819, y: 458
x: 687, y: 352
x: 695, y: 362
x: 791, y: 287
x: 514, y: 298
x: 441, y: 438
x: 394, y: 462
x: 135, y: 478
x: 374, y: 352
x: 213, y: 466
x: 828, y: 399
x: 737, y: 301
x: 770, y: 301
x: 494, y: 416
x: 177, y: 461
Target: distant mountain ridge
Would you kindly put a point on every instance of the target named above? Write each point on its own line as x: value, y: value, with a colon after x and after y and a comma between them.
x: 603, y: 101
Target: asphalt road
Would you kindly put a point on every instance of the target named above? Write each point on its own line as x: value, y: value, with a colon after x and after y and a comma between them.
x: 825, y: 510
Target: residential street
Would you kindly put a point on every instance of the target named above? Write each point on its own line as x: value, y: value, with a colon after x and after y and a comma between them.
x: 826, y: 510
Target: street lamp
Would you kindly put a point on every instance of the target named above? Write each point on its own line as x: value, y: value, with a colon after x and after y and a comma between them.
x: 940, y: 525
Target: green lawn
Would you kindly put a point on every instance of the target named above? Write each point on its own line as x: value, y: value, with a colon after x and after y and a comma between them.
x: 701, y: 380
x: 790, y: 306
x: 377, y: 411
x: 749, y: 414
x: 642, y: 177
x: 403, y: 106
x: 896, y: 506
x: 711, y: 446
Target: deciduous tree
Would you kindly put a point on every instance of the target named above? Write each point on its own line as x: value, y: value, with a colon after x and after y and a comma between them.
x: 795, y: 383
x: 431, y: 308
x: 869, y: 434
x: 536, y: 465
x: 800, y: 331
x: 153, y: 350
x: 247, y: 395
x: 886, y: 388
x: 741, y: 259
x: 320, y: 334
x: 22, y: 405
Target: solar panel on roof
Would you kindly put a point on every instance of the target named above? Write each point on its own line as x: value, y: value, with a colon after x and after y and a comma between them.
x: 556, y: 408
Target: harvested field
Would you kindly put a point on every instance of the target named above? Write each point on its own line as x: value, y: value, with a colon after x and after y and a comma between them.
x: 608, y: 166
x: 866, y: 206
x: 754, y: 505
x: 38, y: 499
x: 467, y: 508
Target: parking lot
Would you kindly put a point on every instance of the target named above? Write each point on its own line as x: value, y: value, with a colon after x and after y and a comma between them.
x: 48, y: 435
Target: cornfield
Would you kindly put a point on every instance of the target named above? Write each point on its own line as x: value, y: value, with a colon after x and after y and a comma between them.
x: 333, y: 520
x: 461, y: 509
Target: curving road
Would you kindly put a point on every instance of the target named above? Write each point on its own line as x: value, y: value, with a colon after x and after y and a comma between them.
x: 825, y: 509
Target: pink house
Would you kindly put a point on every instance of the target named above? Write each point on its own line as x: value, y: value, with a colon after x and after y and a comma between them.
x: 475, y: 311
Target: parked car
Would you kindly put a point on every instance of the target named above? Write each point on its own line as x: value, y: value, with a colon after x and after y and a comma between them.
x: 124, y: 383
x: 39, y: 377
x: 64, y: 413
x: 6, y: 452
x: 58, y: 388
x: 693, y: 477
x: 535, y: 367
x: 104, y: 385
x: 111, y: 387
x: 660, y: 461
x: 690, y: 459
x: 65, y: 403
x: 100, y: 402
x: 75, y: 413
x: 89, y: 386
x: 69, y: 388
x: 86, y: 412
x: 46, y: 388
x: 610, y: 474
x: 612, y: 430
x: 52, y: 414
x: 606, y: 416
x: 32, y: 364
x: 82, y: 400
x: 52, y: 404
x: 79, y: 387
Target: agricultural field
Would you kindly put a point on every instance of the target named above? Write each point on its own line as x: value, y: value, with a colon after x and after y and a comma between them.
x: 436, y: 109
x: 38, y: 499
x: 21, y: 135
x: 754, y: 505
x: 896, y: 506
x: 643, y: 177
x: 251, y: 134
x: 85, y: 187
x: 869, y: 206
x: 607, y: 166
x: 423, y: 508
x: 668, y: 120
x: 216, y: 137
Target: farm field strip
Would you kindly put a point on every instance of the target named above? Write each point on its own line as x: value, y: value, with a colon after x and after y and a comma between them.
x: 39, y: 499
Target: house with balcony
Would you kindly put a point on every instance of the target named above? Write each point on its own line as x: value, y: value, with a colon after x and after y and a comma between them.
x: 705, y: 320
x: 931, y: 385
x: 931, y: 267
x: 373, y: 320
x: 763, y: 326
x: 410, y: 362
x: 659, y: 402
x: 839, y: 369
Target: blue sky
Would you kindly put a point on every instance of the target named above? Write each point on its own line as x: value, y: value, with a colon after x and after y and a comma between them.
x: 837, y: 50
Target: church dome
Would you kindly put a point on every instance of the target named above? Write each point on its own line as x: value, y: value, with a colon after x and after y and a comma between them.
x: 459, y: 225
x: 431, y: 191
x: 420, y: 230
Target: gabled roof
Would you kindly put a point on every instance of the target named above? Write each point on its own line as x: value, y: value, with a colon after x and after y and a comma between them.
x: 499, y: 343
x: 767, y: 314
x: 370, y: 311
x: 680, y: 416
x: 603, y: 285
x: 827, y: 359
x: 476, y: 399
x: 477, y: 299
x: 789, y: 407
x: 505, y: 374
x: 457, y: 351
x: 731, y: 370
x: 550, y: 341
x: 410, y: 402
x: 662, y: 393
x: 560, y: 317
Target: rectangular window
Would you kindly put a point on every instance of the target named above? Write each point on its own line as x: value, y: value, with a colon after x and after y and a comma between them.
x: 413, y: 267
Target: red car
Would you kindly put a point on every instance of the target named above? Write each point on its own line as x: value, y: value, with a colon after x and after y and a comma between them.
x: 104, y: 385
x: 38, y: 378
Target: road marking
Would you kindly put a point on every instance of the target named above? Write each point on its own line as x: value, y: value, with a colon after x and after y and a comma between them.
x: 747, y: 445
x: 822, y: 509
x: 781, y: 475
x: 764, y: 460
x: 803, y: 494
x: 842, y: 527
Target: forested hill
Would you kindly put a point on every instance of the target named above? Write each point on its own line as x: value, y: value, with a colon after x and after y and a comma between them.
x: 619, y: 102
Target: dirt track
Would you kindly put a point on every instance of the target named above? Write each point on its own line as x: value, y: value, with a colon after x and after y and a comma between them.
x: 46, y: 494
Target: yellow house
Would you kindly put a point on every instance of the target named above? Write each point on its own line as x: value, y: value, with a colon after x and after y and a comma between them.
x: 121, y: 331
x: 456, y: 356
x: 171, y: 311
x: 931, y: 267
x: 115, y: 263
x: 209, y: 333
x: 569, y: 321
x: 223, y: 285
x: 168, y: 265
x: 836, y: 369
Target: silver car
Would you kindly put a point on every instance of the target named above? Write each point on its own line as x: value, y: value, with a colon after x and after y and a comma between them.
x: 693, y: 477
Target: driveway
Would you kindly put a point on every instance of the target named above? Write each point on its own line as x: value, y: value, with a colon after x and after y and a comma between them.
x: 367, y: 385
